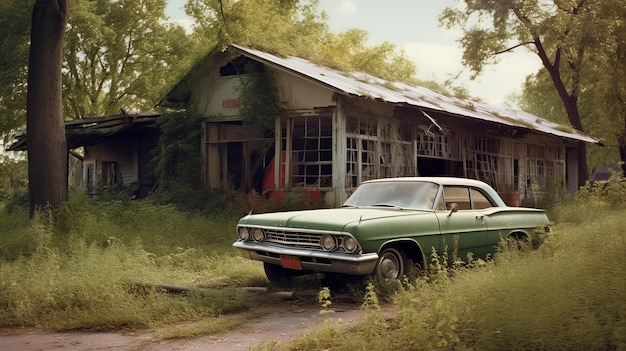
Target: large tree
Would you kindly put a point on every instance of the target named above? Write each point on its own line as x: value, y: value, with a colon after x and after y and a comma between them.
x: 47, y: 148
x: 296, y: 28
x: 15, y: 20
x: 562, y: 33
x: 602, y: 99
x: 117, y: 55
x: 121, y: 55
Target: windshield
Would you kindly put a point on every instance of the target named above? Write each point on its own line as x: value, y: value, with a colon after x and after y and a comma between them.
x: 402, y: 194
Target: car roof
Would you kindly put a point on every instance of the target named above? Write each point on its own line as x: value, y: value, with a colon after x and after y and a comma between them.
x: 448, y: 181
x: 438, y: 180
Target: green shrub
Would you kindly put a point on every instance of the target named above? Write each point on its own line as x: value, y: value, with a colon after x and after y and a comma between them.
x: 18, y: 200
x: 612, y: 192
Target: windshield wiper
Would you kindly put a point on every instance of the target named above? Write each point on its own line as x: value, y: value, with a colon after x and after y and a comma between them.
x: 386, y: 205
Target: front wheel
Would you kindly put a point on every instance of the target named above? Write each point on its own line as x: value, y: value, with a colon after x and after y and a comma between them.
x: 391, y: 263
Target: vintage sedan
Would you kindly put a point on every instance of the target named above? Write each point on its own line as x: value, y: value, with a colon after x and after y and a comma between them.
x: 385, y: 226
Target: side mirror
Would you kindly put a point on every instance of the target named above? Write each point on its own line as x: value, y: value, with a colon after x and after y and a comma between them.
x: 454, y: 207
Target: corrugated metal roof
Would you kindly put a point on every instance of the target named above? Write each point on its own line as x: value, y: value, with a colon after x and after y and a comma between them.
x: 85, y: 131
x: 365, y: 85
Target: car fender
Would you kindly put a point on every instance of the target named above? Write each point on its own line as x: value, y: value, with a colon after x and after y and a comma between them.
x: 412, y: 249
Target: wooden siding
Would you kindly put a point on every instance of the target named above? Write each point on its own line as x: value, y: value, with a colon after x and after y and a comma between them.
x: 131, y: 158
x: 333, y: 150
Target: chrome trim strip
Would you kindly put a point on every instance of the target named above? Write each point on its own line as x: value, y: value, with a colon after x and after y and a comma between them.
x: 329, y: 262
x: 292, y: 229
x: 306, y: 253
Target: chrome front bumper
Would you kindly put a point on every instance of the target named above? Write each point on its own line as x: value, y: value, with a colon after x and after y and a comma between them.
x: 318, y: 261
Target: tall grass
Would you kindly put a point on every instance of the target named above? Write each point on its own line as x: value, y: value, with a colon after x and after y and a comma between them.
x: 570, y: 294
x: 99, y: 266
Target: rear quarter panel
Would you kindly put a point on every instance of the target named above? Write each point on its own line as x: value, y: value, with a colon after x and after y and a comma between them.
x: 502, y: 222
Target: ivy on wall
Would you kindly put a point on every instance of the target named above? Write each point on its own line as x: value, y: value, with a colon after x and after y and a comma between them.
x: 260, y: 104
x: 177, y: 159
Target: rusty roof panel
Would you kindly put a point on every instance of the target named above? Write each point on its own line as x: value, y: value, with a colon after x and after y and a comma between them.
x: 368, y: 86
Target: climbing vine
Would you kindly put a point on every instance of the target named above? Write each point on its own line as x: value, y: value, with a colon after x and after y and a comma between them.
x: 260, y: 104
x: 177, y: 159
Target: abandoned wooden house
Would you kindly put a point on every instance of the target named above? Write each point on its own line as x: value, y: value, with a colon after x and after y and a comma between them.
x: 337, y: 129
x: 116, y: 151
x: 329, y: 132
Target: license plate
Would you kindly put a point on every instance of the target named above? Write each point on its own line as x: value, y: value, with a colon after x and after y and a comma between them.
x: 291, y: 262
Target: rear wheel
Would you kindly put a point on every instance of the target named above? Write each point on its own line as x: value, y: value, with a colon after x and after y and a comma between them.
x: 392, y: 263
x: 518, y: 241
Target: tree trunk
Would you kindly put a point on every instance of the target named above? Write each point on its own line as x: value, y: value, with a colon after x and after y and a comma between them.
x: 570, y: 102
x: 47, y: 146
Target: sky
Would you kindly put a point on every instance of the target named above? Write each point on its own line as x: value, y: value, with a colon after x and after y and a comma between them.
x: 412, y: 26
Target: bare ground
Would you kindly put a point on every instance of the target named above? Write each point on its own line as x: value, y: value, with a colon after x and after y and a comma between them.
x: 282, y: 322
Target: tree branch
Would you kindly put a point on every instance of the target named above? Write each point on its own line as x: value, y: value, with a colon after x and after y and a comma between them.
x: 513, y: 48
x: 223, y: 15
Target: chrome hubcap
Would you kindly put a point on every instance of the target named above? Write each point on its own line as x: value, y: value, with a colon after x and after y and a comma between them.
x: 389, y: 267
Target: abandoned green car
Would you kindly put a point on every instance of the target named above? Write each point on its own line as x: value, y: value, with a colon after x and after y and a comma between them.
x: 385, y: 226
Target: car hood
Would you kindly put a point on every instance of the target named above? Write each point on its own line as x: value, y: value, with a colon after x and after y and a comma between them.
x: 327, y: 219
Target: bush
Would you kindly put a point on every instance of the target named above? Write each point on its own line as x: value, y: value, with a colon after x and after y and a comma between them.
x: 612, y: 192
x: 18, y: 199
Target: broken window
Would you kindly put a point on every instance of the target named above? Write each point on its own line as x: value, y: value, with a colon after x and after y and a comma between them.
x: 376, y: 148
x: 493, y: 160
x: 237, y: 66
x: 89, y: 177
x: 507, y: 177
x: 235, y: 156
x: 311, y: 152
x: 545, y: 164
x: 109, y: 173
x: 361, y: 160
x: 481, y: 158
x: 434, y: 145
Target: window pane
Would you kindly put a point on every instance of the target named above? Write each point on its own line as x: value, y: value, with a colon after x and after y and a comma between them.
x: 458, y: 195
x: 479, y: 200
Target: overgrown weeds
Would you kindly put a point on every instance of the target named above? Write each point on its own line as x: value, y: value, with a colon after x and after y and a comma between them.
x: 566, y: 295
x: 98, y: 266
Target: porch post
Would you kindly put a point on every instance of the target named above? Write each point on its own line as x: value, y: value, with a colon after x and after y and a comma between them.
x: 277, y: 153
x: 572, y: 180
x: 339, y: 155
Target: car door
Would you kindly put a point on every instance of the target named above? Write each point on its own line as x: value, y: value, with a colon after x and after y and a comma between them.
x: 463, y: 230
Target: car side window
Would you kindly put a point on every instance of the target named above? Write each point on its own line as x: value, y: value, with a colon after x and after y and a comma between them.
x: 459, y: 195
x: 479, y: 200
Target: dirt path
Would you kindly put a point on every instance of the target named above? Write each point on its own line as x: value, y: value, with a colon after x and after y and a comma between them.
x: 281, y: 323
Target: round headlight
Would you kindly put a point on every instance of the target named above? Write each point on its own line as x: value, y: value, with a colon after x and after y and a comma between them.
x: 257, y: 234
x: 328, y: 242
x: 243, y: 233
x: 349, y: 244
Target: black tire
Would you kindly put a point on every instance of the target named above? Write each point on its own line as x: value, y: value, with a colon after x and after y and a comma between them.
x: 392, y: 263
x: 279, y: 276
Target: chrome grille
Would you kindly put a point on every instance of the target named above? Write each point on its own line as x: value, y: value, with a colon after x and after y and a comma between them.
x: 293, y: 239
